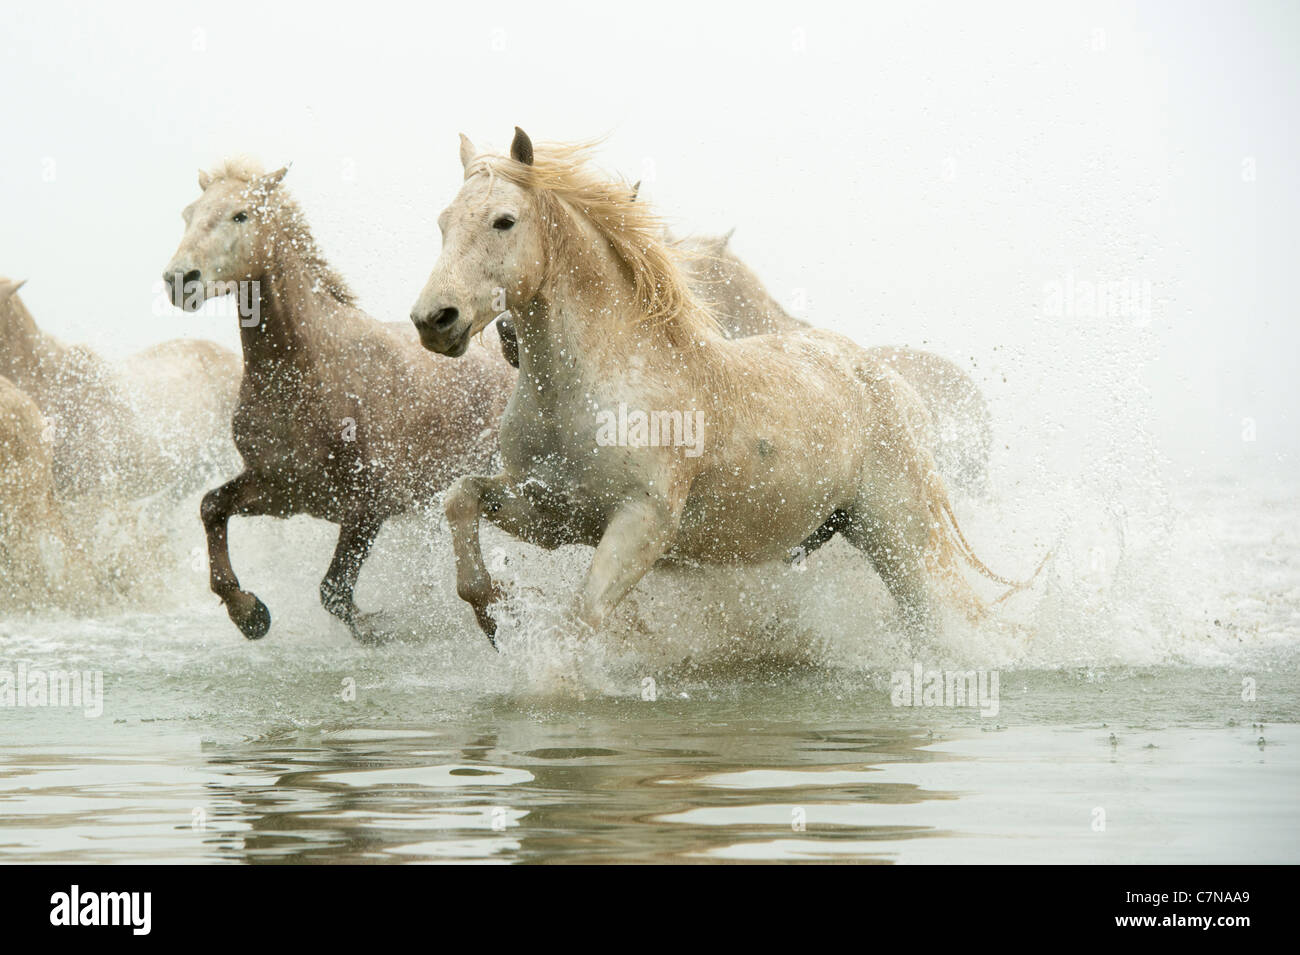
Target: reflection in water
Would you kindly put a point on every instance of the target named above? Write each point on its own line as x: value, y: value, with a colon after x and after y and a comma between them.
x: 527, y: 791
x: 508, y: 796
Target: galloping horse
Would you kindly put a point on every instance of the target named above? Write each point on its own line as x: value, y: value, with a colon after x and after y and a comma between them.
x: 40, y: 561
x: 340, y: 416
x: 97, y: 443
x: 962, y: 430
x: 795, y: 431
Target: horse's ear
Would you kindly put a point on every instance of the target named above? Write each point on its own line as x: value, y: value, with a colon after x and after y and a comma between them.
x: 8, y: 287
x: 521, y: 150
x: 726, y: 238
x: 467, y: 151
x: 205, y: 180
x: 636, y: 188
x: 272, y: 179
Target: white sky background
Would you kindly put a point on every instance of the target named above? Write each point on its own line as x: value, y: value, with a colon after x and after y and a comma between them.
x: 922, y: 175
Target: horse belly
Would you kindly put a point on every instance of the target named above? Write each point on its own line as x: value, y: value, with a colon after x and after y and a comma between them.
x: 732, y: 525
x: 773, y: 482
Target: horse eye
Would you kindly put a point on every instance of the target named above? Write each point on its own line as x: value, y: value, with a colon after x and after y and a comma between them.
x: 503, y: 222
x: 240, y: 217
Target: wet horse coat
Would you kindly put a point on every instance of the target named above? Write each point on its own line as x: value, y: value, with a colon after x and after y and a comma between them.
x: 962, y: 432
x: 340, y: 416
x: 605, y: 319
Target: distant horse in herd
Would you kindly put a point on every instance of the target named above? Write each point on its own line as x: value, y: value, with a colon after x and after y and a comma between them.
x: 80, y: 427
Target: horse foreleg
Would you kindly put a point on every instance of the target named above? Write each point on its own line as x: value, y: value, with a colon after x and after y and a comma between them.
x: 336, y: 589
x: 245, y: 495
x: 499, y: 500
x: 636, y: 536
x: 474, y: 584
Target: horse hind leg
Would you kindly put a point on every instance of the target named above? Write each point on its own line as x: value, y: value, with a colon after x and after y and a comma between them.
x: 897, y: 552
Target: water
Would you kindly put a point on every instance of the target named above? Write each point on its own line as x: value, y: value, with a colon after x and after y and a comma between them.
x: 1148, y: 706
x: 688, y: 782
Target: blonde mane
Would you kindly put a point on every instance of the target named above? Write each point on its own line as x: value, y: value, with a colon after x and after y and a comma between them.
x: 565, y: 185
x: 291, y: 225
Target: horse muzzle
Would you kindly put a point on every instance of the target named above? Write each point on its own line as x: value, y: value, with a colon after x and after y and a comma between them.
x: 443, y: 331
x: 185, y: 289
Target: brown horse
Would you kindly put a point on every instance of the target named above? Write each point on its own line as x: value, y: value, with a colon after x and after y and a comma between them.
x: 340, y: 417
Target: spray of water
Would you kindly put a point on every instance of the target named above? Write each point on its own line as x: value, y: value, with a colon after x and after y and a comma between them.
x: 1141, y: 573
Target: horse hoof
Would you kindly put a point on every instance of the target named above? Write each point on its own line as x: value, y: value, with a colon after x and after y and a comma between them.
x: 367, y: 629
x: 487, y: 625
x: 252, y: 620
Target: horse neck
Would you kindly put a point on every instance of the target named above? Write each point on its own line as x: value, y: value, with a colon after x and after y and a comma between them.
x: 27, y: 354
x: 571, y: 345
x: 543, y: 343
x: 584, y: 321
x: 291, y: 313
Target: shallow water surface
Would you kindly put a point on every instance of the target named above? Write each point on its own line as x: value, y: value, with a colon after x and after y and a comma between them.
x: 1140, y: 715
x: 681, y: 780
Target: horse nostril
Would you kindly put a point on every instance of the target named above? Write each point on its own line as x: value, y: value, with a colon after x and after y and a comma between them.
x: 444, y: 317
x: 192, y: 276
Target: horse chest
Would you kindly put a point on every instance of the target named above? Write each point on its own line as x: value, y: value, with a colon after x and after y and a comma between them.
x: 277, y: 437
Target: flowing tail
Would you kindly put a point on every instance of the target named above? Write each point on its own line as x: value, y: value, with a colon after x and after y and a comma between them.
x: 893, y: 392
x: 968, y: 553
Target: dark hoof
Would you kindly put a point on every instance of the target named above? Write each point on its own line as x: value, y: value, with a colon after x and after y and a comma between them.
x: 249, y: 615
x: 368, y: 629
x: 488, y: 626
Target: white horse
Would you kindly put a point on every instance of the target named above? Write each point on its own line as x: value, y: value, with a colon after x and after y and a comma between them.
x: 793, y: 431
x: 40, y: 561
x: 156, y: 421
x: 962, y: 427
